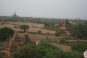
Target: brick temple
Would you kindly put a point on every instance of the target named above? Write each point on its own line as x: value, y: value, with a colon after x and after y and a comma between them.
x: 16, y: 41
x: 63, y: 24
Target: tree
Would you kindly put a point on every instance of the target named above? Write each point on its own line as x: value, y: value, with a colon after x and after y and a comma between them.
x: 6, y: 33
x: 79, y: 47
x: 27, y: 51
x: 59, y: 31
x: 45, y: 48
x: 72, y: 54
x: 85, y: 23
x: 79, y: 31
x: 56, y: 53
x: 24, y: 27
x: 39, y: 32
x: 46, y: 25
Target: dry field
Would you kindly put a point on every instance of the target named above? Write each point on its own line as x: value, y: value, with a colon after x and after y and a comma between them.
x: 35, y: 37
x: 31, y: 29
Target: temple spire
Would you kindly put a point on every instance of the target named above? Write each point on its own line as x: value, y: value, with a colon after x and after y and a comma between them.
x: 26, y: 35
x: 14, y: 13
x: 15, y: 34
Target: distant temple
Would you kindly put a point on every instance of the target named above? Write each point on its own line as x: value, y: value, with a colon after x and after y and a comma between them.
x: 63, y: 24
x: 16, y: 41
x: 14, y: 15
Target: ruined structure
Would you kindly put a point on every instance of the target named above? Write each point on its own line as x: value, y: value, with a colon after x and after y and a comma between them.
x: 64, y: 24
x: 16, y: 41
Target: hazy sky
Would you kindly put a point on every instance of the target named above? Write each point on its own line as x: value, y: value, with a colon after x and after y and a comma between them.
x: 45, y: 8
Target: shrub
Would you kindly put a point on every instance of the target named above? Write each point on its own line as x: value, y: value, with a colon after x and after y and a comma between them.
x: 62, y: 41
x: 32, y: 32
x: 47, y: 33
x: 15, y: 26
x: 57, y: 34
x: 35, y: 32
x: 21, y: 31
x: 34, y: 26
x: 79, y: 47
x: 39, y: 32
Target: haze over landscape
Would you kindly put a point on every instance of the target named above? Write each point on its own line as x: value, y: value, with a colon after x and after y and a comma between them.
x: 43, y: 29
x: 45, y: 8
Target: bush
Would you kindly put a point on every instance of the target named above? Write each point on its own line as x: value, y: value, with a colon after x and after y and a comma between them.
x: 57, y: 34
x: 62, y: 41
x: 39, y: 32
x: 34, y: 26
x: 43, y: 34
x: 72, y: 54
x: 59, y: 31
x: 47, y: 33
x: 15, y: 26
x: 33, y: 32
x: 79, y: 47
x: 21, y: 31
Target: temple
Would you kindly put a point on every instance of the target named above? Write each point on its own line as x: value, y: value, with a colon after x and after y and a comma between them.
x: 64, y: 24
x: 16, y: 41
x: 14, y: 15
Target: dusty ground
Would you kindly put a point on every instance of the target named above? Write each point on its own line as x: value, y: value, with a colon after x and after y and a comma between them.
x: 36, y: 37
x: 31, y: 29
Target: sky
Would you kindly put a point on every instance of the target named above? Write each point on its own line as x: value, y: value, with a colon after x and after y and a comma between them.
x: 45, y: 8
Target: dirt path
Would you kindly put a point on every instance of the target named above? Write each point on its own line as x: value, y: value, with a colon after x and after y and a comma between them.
x: 64, y: 47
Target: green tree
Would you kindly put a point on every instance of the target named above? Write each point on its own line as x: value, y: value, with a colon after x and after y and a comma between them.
x: 46, y: 47
x: 27, y: 51
x: 39, y: 32
x: 6, y: 33
x: 56, y: 53
x: 72, y: 54
x: 79, y: 47
x: 44, y: 50
x: 59, y: 31
x: 46, y: 25
x: 79, y: 31
x: 24, y: 27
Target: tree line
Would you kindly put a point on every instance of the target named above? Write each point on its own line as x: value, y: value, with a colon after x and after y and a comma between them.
x: 45, y: 50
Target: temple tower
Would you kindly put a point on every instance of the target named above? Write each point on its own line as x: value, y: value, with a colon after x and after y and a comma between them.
x: 62, y: 22
x: 26, y: 39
